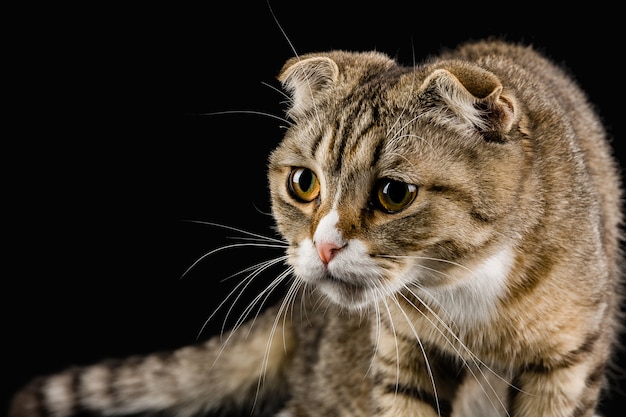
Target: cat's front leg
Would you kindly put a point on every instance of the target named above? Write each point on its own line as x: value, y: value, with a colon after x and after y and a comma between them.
x: 406, y: 378
x: 405, y: 402
x: 568, y: 389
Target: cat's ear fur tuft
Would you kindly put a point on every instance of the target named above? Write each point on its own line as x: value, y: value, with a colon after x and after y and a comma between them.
x: 476, y: 96
x: 305, y: 78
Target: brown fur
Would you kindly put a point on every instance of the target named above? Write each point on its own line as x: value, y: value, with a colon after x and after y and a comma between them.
x: 492, y: 292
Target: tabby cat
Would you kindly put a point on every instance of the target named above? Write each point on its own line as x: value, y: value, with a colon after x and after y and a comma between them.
x: 453, y: 247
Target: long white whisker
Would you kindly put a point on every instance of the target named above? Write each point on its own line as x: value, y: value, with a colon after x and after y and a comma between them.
x: 298, y: 284
x: 257, y: 271
x: 395, y: 338
x: 221, y: 248
x: 474, y: 357
x: 236, y: 229
x: 378, y: 332
x: 293, y: 49
x: 254, y: 112
x: 476, y: 361
x: 245, y: 283
x: 265, y: 293
x: 426, y: 258
x: 254, y: 239
x: 263, y: 240
x: 282, y: 311
x: 303, y: 311
x: 419, y: 342
x: 281, y: 92
x: 260, y: 299
x: 315, y: 110
x: 404, y: 109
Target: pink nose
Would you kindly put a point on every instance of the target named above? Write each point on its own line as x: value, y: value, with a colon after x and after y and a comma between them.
x: 327, y: 251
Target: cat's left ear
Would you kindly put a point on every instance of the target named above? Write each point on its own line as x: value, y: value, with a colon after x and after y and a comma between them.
x: 475, y: 95
x: 305, y: 79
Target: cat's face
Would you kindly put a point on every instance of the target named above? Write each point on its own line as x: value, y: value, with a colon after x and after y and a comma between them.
x: 391, y: 178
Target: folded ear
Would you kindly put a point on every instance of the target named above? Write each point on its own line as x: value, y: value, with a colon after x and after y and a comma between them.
x: 475, y: 96
x: 315, y: 77
x: 305, y: 79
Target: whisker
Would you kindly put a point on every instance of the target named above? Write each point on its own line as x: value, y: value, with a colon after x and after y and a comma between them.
x: 262, y: 267
x: 413, y: 53
x: 474, y: 358
x: 410, y: 135
x: 288, y: 300
x: 426, y: 258
x: 293, y: 49
x: 254, y: 112
x: 404, y: 109
x: 395, y: 338
x: 298, y: 284
x: 253, y: 240
x: 259, y: 240
x: 245, y: 282
x: 378, y: 332
x: 242, y: 318
x: 303, y: 299
x: 236, y: 229
x: 447, y: 327
x: 282, y: 311
x: 263, y: 295
x: 408, y: 123
x: 315, y: 109
x: 424, y: 355
x: 222, y: 248
x: 258, y: 210
x: 278, y: 90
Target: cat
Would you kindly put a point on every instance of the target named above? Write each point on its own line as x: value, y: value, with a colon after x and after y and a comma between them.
x: 453, y: 247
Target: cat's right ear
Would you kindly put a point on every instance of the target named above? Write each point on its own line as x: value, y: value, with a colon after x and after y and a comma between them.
x: 306, y: 79
x: 475, y: 95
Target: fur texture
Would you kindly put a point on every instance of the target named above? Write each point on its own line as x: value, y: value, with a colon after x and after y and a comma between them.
x: 453, y: 242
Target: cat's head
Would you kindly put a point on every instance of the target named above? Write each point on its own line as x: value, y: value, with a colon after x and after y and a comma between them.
x: 394, y: 178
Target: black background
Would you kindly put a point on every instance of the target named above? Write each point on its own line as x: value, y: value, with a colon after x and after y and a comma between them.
x: 110, y: 152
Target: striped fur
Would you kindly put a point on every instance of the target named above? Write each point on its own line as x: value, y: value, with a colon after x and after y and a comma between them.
x: 453, y: 233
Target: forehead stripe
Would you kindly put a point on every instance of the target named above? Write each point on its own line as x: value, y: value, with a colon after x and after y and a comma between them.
x: 350, y: 141
x: 377, y: 151
x: 316, y: 144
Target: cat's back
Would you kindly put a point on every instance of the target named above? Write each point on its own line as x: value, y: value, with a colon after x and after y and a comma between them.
x: 537, y: 78
x: 509, y: 57
x: 564, y: 121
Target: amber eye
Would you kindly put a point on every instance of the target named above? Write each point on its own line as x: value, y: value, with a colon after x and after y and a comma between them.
x: 393, y: 196
x: 303, y: 185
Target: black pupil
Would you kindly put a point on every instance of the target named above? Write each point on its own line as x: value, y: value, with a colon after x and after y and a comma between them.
x: 305, y: 180
x: 396, y: 191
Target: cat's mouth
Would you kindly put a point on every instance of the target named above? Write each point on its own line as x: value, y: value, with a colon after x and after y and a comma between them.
x: 336, y: 280
x: 351, y: 278
x: 346, y: 293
